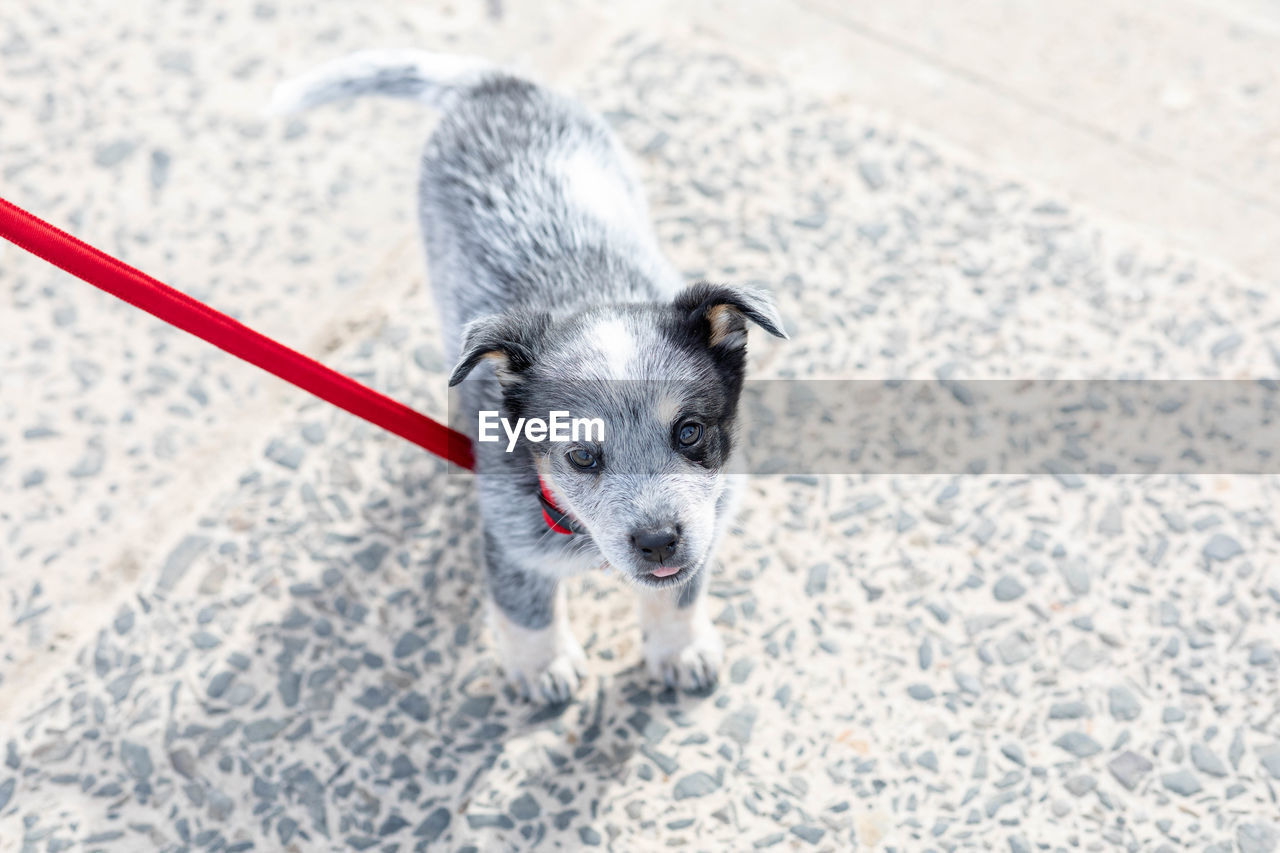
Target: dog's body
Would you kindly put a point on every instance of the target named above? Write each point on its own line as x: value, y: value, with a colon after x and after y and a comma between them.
x: 549, y: 280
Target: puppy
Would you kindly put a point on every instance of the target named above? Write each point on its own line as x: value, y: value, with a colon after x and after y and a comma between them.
x: 555, y: 297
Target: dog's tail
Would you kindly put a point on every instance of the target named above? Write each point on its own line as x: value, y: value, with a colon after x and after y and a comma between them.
x: 418, y: 75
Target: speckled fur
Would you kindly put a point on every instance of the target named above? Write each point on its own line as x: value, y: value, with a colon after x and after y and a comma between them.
x: 550, y: 281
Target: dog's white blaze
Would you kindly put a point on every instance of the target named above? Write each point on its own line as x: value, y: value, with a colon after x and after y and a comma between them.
x: 616, y: 345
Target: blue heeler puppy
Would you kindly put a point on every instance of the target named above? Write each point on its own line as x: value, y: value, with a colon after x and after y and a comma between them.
x: 551, y: 285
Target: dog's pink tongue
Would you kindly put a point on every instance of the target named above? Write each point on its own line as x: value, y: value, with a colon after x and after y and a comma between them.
x: 664, y: 571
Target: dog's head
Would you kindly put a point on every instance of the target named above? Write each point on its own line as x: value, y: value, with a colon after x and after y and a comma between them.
x: 664, y: 381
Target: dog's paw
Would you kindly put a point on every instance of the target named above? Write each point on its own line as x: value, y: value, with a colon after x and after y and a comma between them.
x: 690, y: 665
x: 544, y: 665
x: 552, y: 682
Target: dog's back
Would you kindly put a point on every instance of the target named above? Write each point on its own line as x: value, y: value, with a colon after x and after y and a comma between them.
x: 527, y: 199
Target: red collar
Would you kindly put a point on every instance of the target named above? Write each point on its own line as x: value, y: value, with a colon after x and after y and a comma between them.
x: 556, y: 518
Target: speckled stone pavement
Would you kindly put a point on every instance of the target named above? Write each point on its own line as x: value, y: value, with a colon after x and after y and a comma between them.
x: 914, y: 663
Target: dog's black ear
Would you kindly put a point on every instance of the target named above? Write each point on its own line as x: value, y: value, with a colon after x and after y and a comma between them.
x: 725, y: 309
x: 510, y: 342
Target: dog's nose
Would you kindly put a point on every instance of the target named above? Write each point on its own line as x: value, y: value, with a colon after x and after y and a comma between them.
x: 655, y: 546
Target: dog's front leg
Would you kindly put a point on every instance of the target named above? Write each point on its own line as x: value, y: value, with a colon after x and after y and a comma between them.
x: 681, y: 646
x: 530, y: 620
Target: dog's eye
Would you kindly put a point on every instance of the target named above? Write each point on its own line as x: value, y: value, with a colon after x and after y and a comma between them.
x: 583, y: 460
x: 690, y: 434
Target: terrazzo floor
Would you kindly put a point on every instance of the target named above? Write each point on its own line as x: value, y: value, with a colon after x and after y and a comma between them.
x: 299, y: 662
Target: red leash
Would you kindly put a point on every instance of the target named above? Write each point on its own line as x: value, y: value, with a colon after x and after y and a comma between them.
x: 176, y: 308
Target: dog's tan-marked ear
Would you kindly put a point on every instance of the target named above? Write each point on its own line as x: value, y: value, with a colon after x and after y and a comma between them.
x: 726, y: 308
x: 509, y: 342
